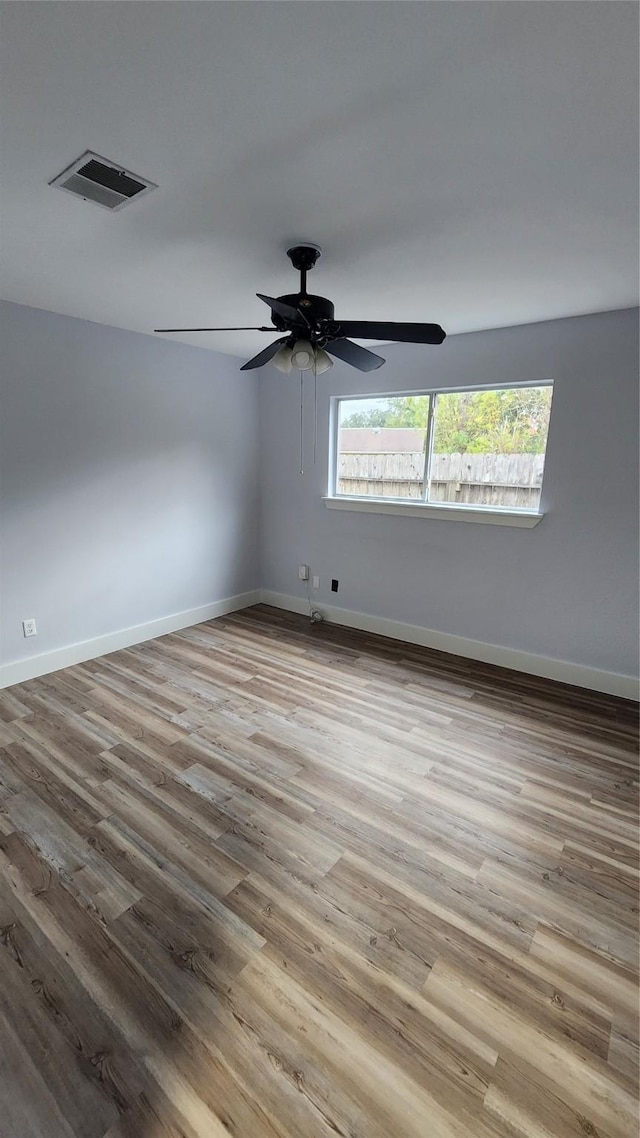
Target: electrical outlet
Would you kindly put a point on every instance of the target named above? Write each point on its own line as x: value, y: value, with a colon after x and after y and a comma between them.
x: 29, y: 627
x: 303, y: 572
x: 316, y: 583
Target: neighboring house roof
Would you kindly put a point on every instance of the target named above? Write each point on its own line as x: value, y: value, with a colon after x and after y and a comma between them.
x: 378, y: 439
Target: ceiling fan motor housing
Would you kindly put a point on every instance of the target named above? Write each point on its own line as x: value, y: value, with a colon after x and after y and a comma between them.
x: 315, y: 308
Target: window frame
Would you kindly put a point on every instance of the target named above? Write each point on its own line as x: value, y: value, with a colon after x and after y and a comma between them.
x: 463, y: 511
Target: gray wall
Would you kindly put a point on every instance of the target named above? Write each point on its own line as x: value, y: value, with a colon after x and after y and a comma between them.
x: 128, y: 478
x: 129, y: 484
x: 566, y: 589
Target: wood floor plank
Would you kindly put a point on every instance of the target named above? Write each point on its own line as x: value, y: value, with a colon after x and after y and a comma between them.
x: 272, y: 880
x: 88, y: 1111
x: 531, y: 1107
x: 582, y: 1081
x: 27, y: 1107
x: 426, y: 1043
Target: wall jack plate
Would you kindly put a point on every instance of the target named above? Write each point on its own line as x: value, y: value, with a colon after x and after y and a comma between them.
x: 29, y: 627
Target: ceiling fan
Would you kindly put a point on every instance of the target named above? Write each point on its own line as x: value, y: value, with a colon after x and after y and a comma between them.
x: 313, y: 334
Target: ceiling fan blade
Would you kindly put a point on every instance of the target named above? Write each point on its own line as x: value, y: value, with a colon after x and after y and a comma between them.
x: 405, y: 333
x: 353, y: 354
x: 264, y: 356
x: 244, y: 329
x: 284, y: 310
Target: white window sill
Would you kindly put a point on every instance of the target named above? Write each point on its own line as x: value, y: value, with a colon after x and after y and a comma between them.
x: 485, y: 515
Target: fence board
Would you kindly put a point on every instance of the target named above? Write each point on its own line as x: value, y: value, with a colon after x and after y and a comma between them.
x: 488, y: 479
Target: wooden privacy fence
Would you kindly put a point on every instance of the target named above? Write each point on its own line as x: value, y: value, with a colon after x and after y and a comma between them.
x: 481, y: 479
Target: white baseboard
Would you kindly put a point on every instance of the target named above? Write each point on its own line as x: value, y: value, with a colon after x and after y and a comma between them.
x: 47, y: 662
x: 612, y: 683
x: 595, y: 679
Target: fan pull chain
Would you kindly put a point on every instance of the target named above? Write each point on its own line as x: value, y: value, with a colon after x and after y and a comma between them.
x: 315, y: 412
x: 301, y: 425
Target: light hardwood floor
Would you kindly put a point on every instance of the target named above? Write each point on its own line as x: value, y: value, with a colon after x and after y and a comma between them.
x: 264, y: 879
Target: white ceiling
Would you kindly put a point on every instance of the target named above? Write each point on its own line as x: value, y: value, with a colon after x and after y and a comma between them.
x: 473, y: 164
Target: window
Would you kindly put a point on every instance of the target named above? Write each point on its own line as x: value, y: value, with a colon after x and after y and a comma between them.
x: 481, y: 448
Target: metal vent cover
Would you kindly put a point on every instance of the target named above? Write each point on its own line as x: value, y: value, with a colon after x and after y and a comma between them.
x: 101, y: 181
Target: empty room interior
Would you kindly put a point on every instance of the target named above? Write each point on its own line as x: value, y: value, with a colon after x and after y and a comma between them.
x: 319, y: 569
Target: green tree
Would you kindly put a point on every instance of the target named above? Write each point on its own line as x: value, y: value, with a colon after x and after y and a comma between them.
x: 513, y: 421
x: 401, y: 411
x: 509, y: 421
x: 408, y: 411
x: 376, y: 417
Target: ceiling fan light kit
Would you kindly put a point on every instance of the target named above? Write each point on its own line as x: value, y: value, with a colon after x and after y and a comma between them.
x: 323, y: 361
x: 282, y: 359
x: 313, y: 334
x: 302, y: 356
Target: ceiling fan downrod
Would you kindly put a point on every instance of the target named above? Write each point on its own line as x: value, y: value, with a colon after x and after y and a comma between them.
x: 303, y: 257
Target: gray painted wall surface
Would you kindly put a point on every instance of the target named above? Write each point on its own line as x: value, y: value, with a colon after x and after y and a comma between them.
x: 568, y: 588
x: 128, y: 479
x: 129, y: 490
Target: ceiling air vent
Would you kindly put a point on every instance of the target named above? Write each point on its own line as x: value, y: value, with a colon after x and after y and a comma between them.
x: 98, y: 180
